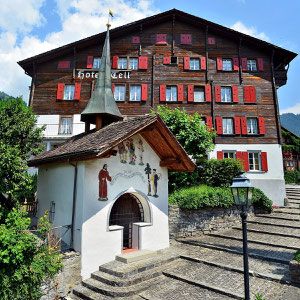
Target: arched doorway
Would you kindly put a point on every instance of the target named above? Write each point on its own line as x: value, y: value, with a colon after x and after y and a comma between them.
x: 126, y: 210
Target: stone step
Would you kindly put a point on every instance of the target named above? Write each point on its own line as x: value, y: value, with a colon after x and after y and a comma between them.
x: 275, y: 221
x: 295, y: 212
x: 136, y: 256
x: 279, y: 217
x: 288, y: 207
x: 114, y: 291
x: 230, y: 282
x: 293, y: 198
x: 134, y: 279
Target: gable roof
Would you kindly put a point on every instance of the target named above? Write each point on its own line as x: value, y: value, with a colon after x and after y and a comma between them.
x: 281, y: 56
x: 100, y: 144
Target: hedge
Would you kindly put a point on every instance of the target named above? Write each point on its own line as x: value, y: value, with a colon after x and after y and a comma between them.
x: 292, y: 177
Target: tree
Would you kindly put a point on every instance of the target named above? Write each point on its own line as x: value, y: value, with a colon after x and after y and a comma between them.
x: 19, y: 139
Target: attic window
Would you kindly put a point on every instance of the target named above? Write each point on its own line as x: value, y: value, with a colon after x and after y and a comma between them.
x: 161, y: 39
x: 174, y: 60
x: 211, y: 41
x: 64, y: 64
x: 135, y: 40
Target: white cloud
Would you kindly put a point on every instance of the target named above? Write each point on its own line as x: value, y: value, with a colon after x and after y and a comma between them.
x: 239, y: 26
x: 79, y: 19
x: 293, y: 109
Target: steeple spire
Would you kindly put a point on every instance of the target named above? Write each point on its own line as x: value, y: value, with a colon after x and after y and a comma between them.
x: 102, y: 108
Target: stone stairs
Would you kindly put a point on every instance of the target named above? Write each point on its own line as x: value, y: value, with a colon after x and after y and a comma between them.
x: 293, y: 195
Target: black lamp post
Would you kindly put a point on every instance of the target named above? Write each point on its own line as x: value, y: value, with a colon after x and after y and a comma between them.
x: 242, y: 192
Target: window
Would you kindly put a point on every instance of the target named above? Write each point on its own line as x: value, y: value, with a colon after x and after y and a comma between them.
x: 251, y: 65
x: 133, y: 63
x: 174, y: 60
x: 289, y: 163
x: 227, y: 125
x: 69, y: 92
x: 122, y: 63
x: 229, y: 154
x: 171, y: 93
x: 199, y: 94
x: 252, y: 126
x: 226, y: 94
x: 51, y: 211
x: 135, y: 93
x: 254, y: 161
x: 194, y: 64
x: 227, y: 64
x: 65, y: 126
x: 96, y: 62
x: 119, y: 92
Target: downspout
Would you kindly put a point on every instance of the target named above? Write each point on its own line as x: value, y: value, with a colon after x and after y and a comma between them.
x: 74, y: 204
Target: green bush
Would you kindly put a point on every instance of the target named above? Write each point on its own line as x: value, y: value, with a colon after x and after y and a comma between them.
x: 201, y: 196
x: 297, y: 256
x: 219, y: 172
x: 261, y: 201
x: 259, y: 297
x: 292, y: 177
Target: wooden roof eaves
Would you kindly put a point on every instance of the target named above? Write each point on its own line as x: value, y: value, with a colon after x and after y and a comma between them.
x: 154, y: 19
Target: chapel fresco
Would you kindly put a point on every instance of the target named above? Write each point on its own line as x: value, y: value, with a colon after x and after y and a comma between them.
x: 103, y: 178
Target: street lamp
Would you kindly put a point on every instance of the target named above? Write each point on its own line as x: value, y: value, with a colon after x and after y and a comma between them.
x: 242, y: 192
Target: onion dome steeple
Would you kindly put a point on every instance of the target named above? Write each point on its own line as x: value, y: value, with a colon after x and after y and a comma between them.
x: 102, y: 108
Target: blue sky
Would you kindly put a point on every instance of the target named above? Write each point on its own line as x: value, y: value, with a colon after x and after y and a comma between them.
x: 31, y: 27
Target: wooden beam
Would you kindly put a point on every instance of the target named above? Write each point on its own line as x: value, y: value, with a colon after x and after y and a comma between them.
x: 171, y: 161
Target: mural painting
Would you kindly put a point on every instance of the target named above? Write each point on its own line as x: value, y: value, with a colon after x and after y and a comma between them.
x: 123, y: 153
x: 103, y: 178
x: 154, y: 179
x: 148, y: 172
x: 141, y: 149
x: 131, y: 148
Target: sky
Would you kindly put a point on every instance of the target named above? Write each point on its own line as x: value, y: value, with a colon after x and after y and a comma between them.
x: 30, y: 27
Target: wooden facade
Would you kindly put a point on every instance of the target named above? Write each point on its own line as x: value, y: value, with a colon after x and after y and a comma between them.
x: 164, y: 46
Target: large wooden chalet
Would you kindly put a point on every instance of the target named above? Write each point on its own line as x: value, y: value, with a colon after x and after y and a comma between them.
x: 177, y: 59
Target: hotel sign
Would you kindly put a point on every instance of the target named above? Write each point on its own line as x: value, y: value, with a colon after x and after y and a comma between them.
x: 83, y: 73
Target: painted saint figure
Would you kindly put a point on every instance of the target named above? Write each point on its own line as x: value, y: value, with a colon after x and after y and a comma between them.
x: 141, y: 148
x: 148, y: 172
x: 123, y: 153
x: 131, y: 147
x: 154, y: 178
x: 103, y: 176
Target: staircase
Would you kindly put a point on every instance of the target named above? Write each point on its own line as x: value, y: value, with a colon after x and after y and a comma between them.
x: 293, y: 195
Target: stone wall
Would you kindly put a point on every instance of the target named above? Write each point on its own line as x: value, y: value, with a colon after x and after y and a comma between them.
x: 184, y: 222
x: 64, y: 282
x: 294, y: 267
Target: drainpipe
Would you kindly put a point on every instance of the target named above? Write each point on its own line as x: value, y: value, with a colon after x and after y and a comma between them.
x: 74, y: 204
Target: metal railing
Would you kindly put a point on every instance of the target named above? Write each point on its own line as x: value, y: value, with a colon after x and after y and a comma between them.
x: 53, y: 130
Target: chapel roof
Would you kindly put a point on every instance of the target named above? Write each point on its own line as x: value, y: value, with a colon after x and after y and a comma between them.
x: 100, y: 144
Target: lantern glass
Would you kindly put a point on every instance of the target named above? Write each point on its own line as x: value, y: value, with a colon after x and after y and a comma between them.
x: 250, y: 195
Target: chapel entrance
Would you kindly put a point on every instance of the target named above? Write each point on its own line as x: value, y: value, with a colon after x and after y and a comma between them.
x: 126, y: 210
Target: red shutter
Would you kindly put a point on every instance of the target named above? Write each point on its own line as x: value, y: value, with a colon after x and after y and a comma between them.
x: 144, y: 92
x: 244, y: 125
x: 217, y: 93
x: 237, y: 125
x: 89, y: 63
x: 219, y: 63
x: 77, y: 91
x: 264, y: 161
x: 186, y: 39
x: 236, y: 64
x: 211, y: 41
x: 252, y: 94
x: 135, y: 40
x: 60, y: 91
x: 260, y: 63
x: 209, y: 122
x: 143, y: 62
x: 161, y: 38
x: 208, y: 93
x: 219, y: 125
x: 190, y: 93
x: 64, y: 64
x: 247, y: 94
x: 180, y: 93
x: 261, y: 124
x: 162, y: 92
x: 186, y: 63
x: 166, y: 60
x: 238, y: 155
x: 235, y: 94
x: 203, y: 63
x: 115, y: 62
x: 244, y: 64
x: 220, y: 155
x: 113, y: 88
x: 245, y: 161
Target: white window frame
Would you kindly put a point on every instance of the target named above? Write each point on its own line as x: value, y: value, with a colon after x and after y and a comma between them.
x: 224, y: 96
x: 64, y: 127
x: 135, y: 93
x: 69, y: 92
x: 119, y: 92
x: 226, y: 128
x: 227, y: 64
x: 254, y: 160
x: 250, y: 126
x: 199, y: 91
x: 252, y: 65
x: 133, y: 63
x: 194, y: 63
x: 122, y: 63
x: 229, y: 153
x: 171, y: 93
x: 96, y: 62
